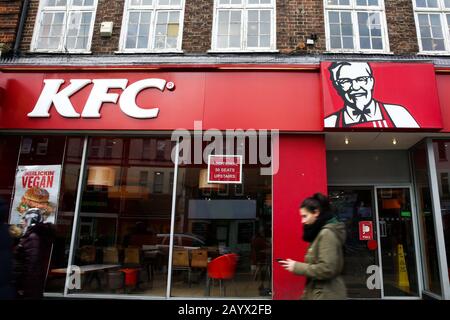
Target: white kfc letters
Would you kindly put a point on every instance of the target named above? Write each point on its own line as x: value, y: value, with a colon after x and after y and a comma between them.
x: 98, y: 95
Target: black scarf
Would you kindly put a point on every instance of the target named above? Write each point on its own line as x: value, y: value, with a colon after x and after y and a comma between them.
x: 310, y: 231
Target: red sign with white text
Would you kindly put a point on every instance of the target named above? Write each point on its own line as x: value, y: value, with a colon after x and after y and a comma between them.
x: 224, y: 169
x: 152, y: 100
x: 365, y: 230
x: 380, y: 96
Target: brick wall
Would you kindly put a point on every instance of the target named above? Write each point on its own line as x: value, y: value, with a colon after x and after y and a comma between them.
x: 296, y: 21
x: 107, y: 10
x: 29, y: 26
x: 198, y: 21
x: 401, y: 26
x: 9, y: 20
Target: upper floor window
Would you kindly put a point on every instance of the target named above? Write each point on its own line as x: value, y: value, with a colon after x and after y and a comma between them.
x: 356, y: 26
x: 64, y: 26
x: 432, y: 23
x: 152, y: 25
x: 244, y: 25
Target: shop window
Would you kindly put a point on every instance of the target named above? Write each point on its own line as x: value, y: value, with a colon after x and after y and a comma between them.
x: 9, y: 153
x: 432, y: 24
x: 427, y: 230
x: 45, y: 175
x: 443, y: 170
x: 122, y: 219
x: 64, y: 26
x: 354, y: 205
x: 152, y: 25
x: 232, y: 227
x: 356, y: 26
x: 244, y: 25
x: 66, y: 211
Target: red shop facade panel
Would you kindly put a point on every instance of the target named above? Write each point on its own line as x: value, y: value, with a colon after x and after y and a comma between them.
x: 443, y: 84
x: 288, y: 101
x: 380, y: 96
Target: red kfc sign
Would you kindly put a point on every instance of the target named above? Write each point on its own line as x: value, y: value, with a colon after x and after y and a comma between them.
x: 157, y: 100
x: 365, y: 230
x: 363, y: 95
x: 224, y: 169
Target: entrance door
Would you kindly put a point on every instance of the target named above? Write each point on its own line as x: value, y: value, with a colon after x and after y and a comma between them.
x: 396, y: 242
x: 383, y: 264
x: 355, y: 205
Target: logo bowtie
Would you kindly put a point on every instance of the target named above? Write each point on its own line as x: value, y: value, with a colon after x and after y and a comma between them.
x: 362, y: 113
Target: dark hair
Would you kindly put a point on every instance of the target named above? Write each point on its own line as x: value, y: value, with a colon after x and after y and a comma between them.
x: 317, y: 202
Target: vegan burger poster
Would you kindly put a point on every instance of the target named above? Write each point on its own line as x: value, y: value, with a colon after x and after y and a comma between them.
x: 36, y: 187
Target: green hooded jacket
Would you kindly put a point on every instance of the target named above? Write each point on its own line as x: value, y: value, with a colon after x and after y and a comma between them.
x: 324, y: 263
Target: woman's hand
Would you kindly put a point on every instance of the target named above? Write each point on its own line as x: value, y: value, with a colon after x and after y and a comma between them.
x: 288, y: 264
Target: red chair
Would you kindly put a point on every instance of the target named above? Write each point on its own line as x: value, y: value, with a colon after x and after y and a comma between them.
x: 221, y: 268
x: 131, y: 277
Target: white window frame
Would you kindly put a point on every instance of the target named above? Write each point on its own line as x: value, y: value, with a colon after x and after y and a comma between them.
x: 354, y: 9
x: 155, y: 7
x: 68, y: 8
x: 442, y: 11
x: 244, y: 7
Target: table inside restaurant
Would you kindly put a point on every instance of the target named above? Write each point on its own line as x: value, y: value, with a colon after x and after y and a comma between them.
x: 88, y: 268
x: 91, y: 271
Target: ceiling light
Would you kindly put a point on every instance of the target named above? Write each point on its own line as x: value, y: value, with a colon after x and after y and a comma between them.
x: 101, y: 176
x: 347, y: 141
x: 203, y: 182
x: 394, y: 141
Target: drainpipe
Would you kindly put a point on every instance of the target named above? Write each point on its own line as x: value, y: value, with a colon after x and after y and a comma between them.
x: 23, y: 18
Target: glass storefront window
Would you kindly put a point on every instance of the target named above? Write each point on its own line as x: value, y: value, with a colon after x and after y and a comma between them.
x: 66, y: 211
x: 24, y: 157
x: 426, y: 219
x: 397, y: 243
x: 125, y: 216
x: 355, y: 205
x: 123, y: 229
x: 392, y: 247
x: 9, y: 151
x: 442, y: 158
x: 223, y: 233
